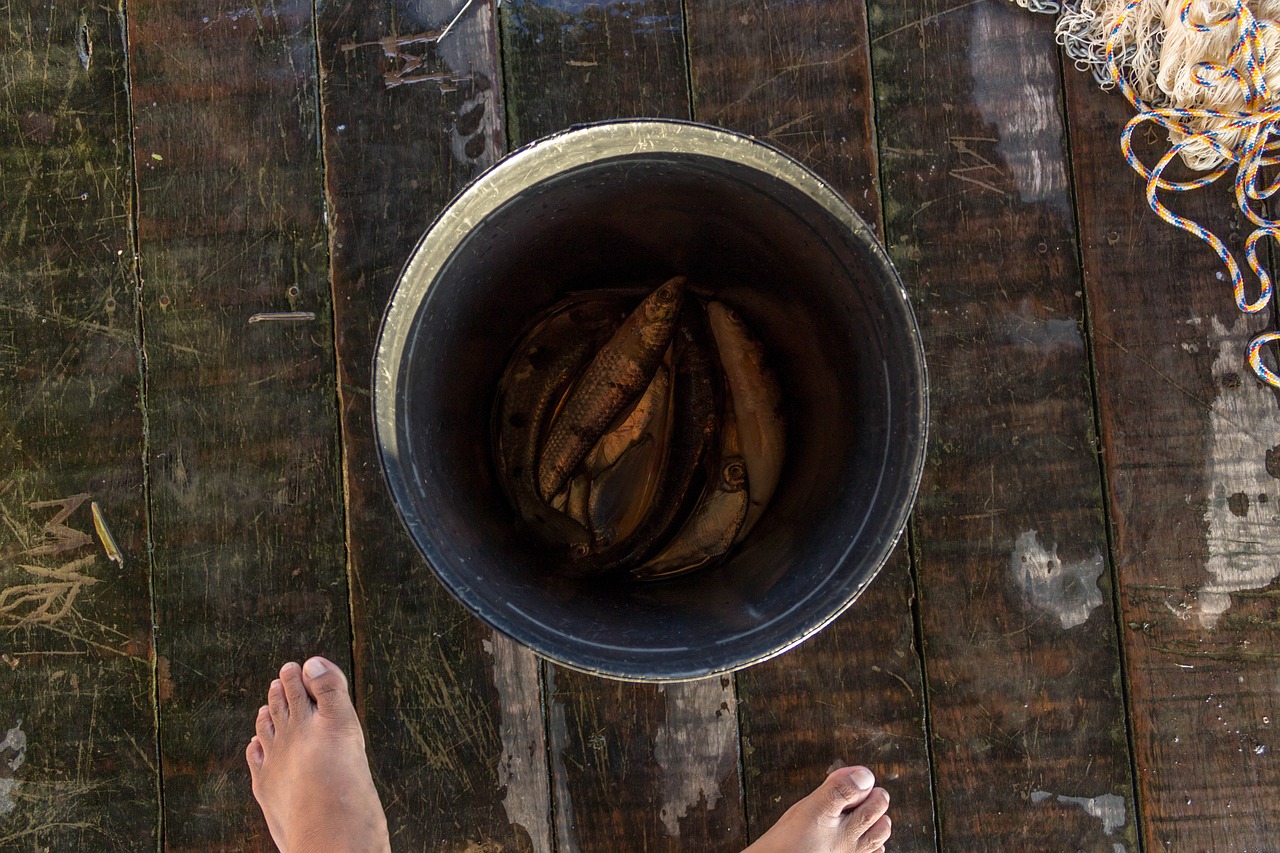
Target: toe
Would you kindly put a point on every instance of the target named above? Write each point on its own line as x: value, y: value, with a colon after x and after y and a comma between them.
x: 263, y: 725
x: 876, y: 836
x: 294, y: 691
x: 860, y: 821
x: 843, y: 789
x: 328, y: 687
x: 277, y: 704
x: 254, y: 755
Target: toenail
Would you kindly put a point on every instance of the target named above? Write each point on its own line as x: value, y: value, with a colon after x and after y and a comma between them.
x: 314, y: 668
x: 862, y: 777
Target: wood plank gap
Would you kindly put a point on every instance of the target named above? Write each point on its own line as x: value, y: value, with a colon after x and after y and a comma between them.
x: 340, y: 447
x: 913, y: 552
x: 140, y: 337
x: 1113, y: 571
x: 140, y: 333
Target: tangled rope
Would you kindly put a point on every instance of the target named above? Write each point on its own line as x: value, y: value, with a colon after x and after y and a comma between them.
x: 1199, y: 70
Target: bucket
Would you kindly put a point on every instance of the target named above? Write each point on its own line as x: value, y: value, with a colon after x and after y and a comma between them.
x: 630, y: 203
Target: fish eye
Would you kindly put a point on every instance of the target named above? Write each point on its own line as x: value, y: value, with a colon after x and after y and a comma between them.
x: 734, y: 472
x: 579, y: 550
x: 666, y: 293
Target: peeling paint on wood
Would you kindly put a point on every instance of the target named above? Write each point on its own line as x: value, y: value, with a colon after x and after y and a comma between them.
x: 1067, y: 590
x: 1027, y: 140
x: 697, y: 747
x: 1242, y: 510
x: 523, y: 776
x: 1107, y: 808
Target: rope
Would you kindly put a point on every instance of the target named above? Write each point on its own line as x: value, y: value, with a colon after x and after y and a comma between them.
x: 1197, y: 69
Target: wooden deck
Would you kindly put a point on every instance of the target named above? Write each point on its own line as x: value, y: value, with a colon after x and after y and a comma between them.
x: 1075, y: 647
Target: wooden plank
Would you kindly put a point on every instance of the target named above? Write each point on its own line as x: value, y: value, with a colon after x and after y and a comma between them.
x: 568, y: 63
x: 1021, y: 653
x: 245, y: 511
x: 658, y: 764
x: 453, y: 711
x: 837, y: 699
x: 1189, y: 442
x: 78, y: 751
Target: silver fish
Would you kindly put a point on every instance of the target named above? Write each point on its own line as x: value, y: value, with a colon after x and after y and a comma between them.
x: 756, y: 402
x: 710, y: 531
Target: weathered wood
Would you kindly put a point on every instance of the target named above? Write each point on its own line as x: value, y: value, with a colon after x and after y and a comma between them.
x: 78, y: 749
x: 573, y: 63
x: 655, y: 765
x: 1189, y: 441
x: 798, y: 75
x: 1026, y: 713
x: 453, y: 712
x: 245, y: 512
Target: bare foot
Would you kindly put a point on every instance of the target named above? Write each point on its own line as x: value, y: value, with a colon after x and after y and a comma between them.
x: 310, y: 773
x: 845, y: 814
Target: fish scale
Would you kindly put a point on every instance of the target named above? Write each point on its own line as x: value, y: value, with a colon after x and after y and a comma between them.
x: 618, y: 373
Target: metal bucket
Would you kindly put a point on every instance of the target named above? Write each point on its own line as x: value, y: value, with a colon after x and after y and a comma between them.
x: 632, y: 202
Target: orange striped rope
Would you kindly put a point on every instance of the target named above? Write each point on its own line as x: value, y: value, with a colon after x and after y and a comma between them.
x: 1257, y: 129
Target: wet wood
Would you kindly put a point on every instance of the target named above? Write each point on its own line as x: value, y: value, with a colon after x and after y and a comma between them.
x: 77, y: 732
x: 1190, y: 448
x: 246, y: 517
x: 1020, y: 640
x: 798, y: 76
x: 453, y: 713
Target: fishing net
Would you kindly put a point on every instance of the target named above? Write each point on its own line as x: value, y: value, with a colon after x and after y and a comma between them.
x: 1203, y: 72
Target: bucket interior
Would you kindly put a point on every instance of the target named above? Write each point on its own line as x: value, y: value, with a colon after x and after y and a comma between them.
x: 839, y: 337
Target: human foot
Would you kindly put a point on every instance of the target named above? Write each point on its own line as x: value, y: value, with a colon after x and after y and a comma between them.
x: 310, y: 773
x: 845, y: 814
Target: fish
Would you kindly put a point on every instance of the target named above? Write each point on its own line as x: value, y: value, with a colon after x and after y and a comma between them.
x: 634, y: 425
x: 623, y: 494
x: 578, y: 497
x: 697, y: 399
x: 543, y: 366
x: 713, y: 526
x: 616, y: 376
x: 757, y: 399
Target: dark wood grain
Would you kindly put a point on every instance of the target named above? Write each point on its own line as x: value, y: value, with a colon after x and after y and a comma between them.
x: 568, y: 63
x: 657, y: 766
x: 799, y: 76
x: 78, y: 745
x: 1189, y: 438
x: 453, y: 712
x: 245, y: 511
x: 1022, y: 659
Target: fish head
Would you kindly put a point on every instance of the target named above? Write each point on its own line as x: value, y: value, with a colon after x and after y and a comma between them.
x: 733, y: 474
x: 663, y: 304
x: 723, y: 316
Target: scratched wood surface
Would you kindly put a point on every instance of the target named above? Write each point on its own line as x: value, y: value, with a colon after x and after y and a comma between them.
x: 245, y: 511
x: 1084, y: 624
x: 77, y: 730
x: 1027, y: 717
x: 453, y: 713
x: 799, y: 76
x: 1190, y: 446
